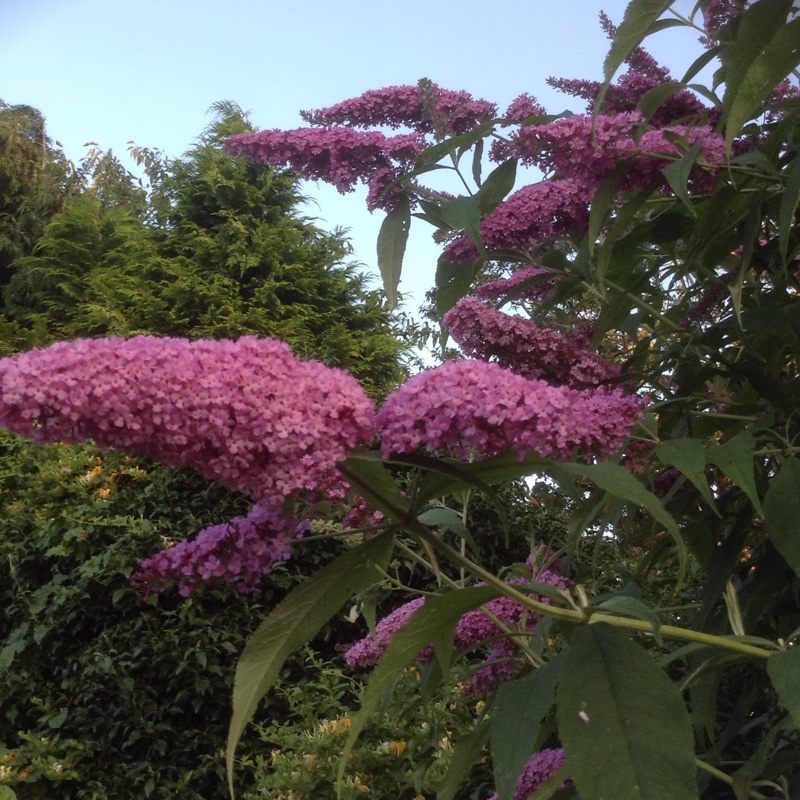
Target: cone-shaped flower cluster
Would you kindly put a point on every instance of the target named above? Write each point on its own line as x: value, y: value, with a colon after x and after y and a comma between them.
x: 246, y: 413
x: 518, y: 344
x: 474, y: 405
x: 238, y: 552
x: 405, y: 106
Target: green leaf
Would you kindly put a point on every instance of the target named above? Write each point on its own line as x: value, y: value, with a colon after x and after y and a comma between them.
x: 655, y: 98
x: 618, y: 482
x: 464, y: 213
x: 766, y: 50
x: 453, y: 281
x: 782, y: 512
x: 7, y: 793
x: 293, y: 623
x: 624, y: 727
x: 450, y: 519
x: 519, y: 708
x: 677, y: 175
x: 602, y: 202
x: 689, y: 456
x: 392, y: 247
x: 448, y: 476
x: 499, y: 183
x: 449, y: 146
x: 789, y: 201
x: 735, y: 459
x: 784, y: 672
x: 477, y: 160
x: 368, y: 474
x: 699, y: 63
x: 640, y: 15
x: 437, y: 619
x: 631, y: 607
x: 466, y: 754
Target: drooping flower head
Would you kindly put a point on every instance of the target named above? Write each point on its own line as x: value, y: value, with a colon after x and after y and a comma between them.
x: 340, y: 156
x: 246, y: 413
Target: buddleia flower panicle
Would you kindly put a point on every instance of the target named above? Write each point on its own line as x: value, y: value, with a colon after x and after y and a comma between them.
x: 473, y: 406
x: 246, y: 413
x: 518, y: 344
x: 239, y: 552
x: 405, y: 106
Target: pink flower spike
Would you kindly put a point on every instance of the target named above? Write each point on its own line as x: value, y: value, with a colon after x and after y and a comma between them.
x: 246, y: 413
x: 474, y: 405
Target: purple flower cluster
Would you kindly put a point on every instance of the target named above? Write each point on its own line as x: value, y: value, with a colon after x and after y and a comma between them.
x: 625, y: 95
x: 519, y: 345
x: 473, y: 629
x: 340, y: 156
x: 238, y: 552
x: 521, y: 108
x: 586, y: 150
x: 532, y: 214
x: 537, y: 212
x: 718, y: 13
x: 540, y: 767
x: 246, y: 413
x: 366, y: 652
x: 580, y: 147
x: 466, y: 405
x: 405, y: 106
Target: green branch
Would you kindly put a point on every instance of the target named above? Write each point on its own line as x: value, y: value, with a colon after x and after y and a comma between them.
x: 580, y: 616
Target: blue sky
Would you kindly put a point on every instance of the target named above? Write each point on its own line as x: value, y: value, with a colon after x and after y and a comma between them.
x: 110, y: 71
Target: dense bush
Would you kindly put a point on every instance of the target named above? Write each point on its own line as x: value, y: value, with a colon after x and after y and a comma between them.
x: 104, y: 694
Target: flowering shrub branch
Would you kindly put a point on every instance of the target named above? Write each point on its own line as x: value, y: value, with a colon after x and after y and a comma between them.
x: 665, y: 234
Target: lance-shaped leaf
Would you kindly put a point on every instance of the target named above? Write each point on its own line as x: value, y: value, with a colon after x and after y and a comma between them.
x: 618, y: 482
x: 624, y: 727
x: 499, y: 183
x: 368, y: 475
x: 784, y: 672
x: 640, y: 16
x: 735, y: 459
x: 453, y: 281
x: 392, y: 247
x: 689, y: 456
x: 519, y: 708
x: 766, y: 50
x: 677, y: 175
x: 782, y: 512
x: 450, y: 519
x: 464, y: 214
x: 293, y: 623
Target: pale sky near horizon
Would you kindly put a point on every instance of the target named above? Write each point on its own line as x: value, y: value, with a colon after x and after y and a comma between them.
x: 147, y: 71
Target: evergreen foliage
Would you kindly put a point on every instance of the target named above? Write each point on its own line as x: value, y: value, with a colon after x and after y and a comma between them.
x: 218, y: 251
